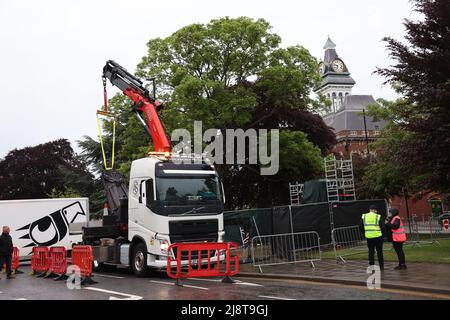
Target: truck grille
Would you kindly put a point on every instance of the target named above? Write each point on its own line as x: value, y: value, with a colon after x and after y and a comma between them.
x: 194, y: 231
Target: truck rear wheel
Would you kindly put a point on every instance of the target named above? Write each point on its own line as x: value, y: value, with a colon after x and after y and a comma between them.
x: 139, y: 260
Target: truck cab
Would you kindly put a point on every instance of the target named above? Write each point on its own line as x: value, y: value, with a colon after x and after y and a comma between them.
x: 170, y: 203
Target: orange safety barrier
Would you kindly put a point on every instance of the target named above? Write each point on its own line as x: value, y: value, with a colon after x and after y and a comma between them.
x: 197, y: 259
x: 14, y: 261
x: 58, y: 263
x: 82, y: 257
x: 39, y: 260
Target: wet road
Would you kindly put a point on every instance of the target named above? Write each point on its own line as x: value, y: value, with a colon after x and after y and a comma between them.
x: 121, y: 285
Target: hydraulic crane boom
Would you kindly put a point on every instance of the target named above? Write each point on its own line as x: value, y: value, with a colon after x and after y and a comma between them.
x: 133, y: 88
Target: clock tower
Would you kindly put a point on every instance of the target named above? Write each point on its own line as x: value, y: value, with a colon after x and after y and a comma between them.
x: 336, y: 81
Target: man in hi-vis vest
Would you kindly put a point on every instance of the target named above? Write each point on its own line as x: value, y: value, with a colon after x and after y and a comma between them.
x: 372, y: 225
x: 395, y: 224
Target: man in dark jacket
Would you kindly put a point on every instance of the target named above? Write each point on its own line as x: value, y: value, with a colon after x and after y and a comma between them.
x: 6, y: 250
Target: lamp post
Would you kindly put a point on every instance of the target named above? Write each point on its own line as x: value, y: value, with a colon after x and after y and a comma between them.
x: 365, y: 130
x: 405, y: 195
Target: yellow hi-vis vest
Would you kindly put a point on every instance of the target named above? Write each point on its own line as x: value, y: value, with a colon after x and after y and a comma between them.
x: 372, y: 225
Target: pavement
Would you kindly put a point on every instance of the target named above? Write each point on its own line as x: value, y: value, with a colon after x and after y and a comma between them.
x: 420, y: 277
x: 121, y: 285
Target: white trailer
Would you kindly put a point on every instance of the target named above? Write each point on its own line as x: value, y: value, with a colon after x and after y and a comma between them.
x: 44, y: 222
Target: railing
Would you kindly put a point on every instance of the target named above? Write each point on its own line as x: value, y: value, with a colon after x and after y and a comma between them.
x: 348, y: 241
x: 286, y: 248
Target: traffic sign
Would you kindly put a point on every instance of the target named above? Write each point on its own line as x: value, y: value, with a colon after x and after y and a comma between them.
x: 445, y: 223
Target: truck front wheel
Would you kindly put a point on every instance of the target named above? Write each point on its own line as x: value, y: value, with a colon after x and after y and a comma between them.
x: 139, y: 260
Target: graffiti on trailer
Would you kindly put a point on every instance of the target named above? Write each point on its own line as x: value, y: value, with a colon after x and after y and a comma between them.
x: 52, y: 228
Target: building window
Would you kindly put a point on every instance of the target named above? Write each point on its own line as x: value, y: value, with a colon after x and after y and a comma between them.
x: 353, y: 133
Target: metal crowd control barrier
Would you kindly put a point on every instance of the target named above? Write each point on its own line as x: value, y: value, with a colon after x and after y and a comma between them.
x: 194, y: 260
x: 58, y: 263
x: 82, y: 257
x: 14, y: 261
x: 424, y: 230
x: 348, y: 241
x: 286, y: 248
x: 39, y: 261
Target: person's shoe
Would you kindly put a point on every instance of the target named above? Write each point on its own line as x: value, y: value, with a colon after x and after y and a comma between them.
x: 9, y: 277
x: 404, y: 267
x: 399, y: 267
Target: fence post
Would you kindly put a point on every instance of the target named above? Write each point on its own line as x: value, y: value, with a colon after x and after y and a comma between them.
x: 292, y: 237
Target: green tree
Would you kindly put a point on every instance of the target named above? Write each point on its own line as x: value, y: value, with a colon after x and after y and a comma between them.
x: 421, y: 73
x: 383, y: 176
x: 48, y: 168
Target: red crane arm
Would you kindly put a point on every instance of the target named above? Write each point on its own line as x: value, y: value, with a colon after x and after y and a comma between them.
x: 154, y: 125
x: 133, y: 88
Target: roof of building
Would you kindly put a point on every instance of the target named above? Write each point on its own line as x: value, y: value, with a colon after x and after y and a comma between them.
x: 349, y: 117
x: 329, y: 44
x: 331, y: 78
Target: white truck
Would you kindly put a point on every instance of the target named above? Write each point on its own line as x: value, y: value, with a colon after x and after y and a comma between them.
x: 165, y: 202
x: 44, y: 222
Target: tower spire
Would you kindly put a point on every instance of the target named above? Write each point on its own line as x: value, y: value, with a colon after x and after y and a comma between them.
x: 329, y: 44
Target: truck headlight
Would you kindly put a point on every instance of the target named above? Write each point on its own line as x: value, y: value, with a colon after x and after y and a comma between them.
x: 164, y: 245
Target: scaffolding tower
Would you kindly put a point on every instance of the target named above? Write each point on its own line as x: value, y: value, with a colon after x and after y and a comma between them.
x: 339, y: 179
x: 296, y: 193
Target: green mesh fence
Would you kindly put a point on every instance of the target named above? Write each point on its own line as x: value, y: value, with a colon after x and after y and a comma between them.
x: 258, y: 220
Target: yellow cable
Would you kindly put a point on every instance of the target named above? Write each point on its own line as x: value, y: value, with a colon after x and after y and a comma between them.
x: 102, y: 145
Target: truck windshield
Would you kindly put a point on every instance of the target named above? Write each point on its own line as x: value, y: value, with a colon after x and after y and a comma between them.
x: 188, y: 190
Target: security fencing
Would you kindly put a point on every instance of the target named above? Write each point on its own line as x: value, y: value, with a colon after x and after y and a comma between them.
x: 425, y: 229
x: 286, y: 248
x: 348, y: 241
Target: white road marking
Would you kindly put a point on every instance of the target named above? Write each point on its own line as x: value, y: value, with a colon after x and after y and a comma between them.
x: 184, y: 285
x: 238, y: 282
x: 127, y: 295
x: 276, y: 298
x: 107, y: 276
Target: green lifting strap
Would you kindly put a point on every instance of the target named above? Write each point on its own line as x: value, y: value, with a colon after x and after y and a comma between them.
x: 105, y: 164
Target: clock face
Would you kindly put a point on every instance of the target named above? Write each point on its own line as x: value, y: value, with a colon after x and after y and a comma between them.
x: 322, y: 68
x: 338, y: 65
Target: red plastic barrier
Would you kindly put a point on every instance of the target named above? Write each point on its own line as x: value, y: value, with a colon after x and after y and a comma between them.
x: 82, y: 257
x: 58, y: 260
x: 40, y: 259
x: 199, y: 266
x: 14, y: 260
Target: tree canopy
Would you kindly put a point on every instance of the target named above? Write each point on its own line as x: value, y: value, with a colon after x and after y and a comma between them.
x: 42, y: 171
x: 420, y: 140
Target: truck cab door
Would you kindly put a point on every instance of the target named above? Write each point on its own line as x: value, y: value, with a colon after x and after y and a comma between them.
x: 146, y: 197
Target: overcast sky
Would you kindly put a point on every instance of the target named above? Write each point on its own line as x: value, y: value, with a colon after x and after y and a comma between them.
x: 52, y: 52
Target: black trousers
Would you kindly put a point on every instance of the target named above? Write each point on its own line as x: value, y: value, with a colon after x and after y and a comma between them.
x: 398, y: 247
x: 372, y: 244
x: 6, y: 259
